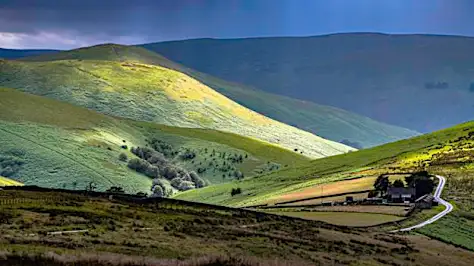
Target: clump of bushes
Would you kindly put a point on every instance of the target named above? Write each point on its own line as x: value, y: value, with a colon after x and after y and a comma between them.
x: 235, y: 191
x: 155, y: 165
x: 123, y: 157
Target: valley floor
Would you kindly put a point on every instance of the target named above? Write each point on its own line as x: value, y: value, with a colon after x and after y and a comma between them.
x: 163, y: 229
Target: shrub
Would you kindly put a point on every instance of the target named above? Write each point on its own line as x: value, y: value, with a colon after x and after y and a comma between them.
x: 198, y: 181
x: 152, y: 171
x: 186, y: 185
x: 158, y: 192
x: 235, y: 191
x: 188, y: 155
x: 124, y: 147
x: 123, y: 157
x: 170, y: 172
x: 138, y: 165
x: 175, y: 182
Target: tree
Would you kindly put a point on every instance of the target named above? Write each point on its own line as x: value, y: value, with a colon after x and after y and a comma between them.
x: 235, y: 191
x: 423, y: 186
x: 398, y: 183
x: 158, y: 192
x: 198, y: 181
x: 138, y: 165
x: 123, y: 157
x: 381, y: 184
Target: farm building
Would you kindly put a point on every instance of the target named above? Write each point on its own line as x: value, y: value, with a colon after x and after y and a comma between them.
x: 424, y: 202
x: 401, y: 194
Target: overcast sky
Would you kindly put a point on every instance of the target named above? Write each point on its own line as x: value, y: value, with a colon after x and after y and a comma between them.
x: 64, y: 24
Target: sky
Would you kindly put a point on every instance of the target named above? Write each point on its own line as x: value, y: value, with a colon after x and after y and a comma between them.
x: 64, y: 24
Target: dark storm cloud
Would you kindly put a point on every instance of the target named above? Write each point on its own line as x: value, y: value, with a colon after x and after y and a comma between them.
x: 69, y: 24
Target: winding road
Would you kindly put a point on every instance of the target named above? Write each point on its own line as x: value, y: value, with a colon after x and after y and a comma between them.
x: 437, y: 197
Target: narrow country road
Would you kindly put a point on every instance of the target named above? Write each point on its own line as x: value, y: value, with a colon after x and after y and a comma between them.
x: 437, y: 197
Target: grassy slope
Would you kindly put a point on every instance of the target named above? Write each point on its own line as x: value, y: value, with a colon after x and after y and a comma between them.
x: 325, y: 121
x: 367, y: 73
x: 328, y: 122
x: 65, y: 145
x: 8, y: 182
x: 151, y: 93
x: 118, y: 230
x: 447, y: 152
x: 407, y: 153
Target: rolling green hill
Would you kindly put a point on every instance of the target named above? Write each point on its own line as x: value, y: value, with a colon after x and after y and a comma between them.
x: 426, y: 151
x: 396, y: 79
x: 149, y: 92
x: 325, y: 121
x: 55, y: 144
x: 448, y: 152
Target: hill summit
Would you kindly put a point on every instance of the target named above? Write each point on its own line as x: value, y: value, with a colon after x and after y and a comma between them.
x: 127, y: 81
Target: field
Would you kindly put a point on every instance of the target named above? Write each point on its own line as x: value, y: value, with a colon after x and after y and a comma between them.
x: 352, y: 219
x: 345, y: 186
x: 60, y: 145
x: 380, y: 209
x: 355, y: 196
x: 129, y: 87
x: 127, y: 230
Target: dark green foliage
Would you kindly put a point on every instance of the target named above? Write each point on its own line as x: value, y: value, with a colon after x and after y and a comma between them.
x: 123, y: 157
x: 161, y: 146
x: 115, y: 189
x: 235, y: 191
x: 138, y: 165
x: 381, y: 184
x: 398, y: 183
x: 188, y: 155
x: 423, y: 185
x: 198, y: 181
x: 10, y: 164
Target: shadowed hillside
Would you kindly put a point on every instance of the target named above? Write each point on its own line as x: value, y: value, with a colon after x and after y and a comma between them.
x: 421, y: 82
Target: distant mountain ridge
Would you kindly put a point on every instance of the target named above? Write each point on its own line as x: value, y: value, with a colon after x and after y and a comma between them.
x: 387, y: 77
x: 329, y: 122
